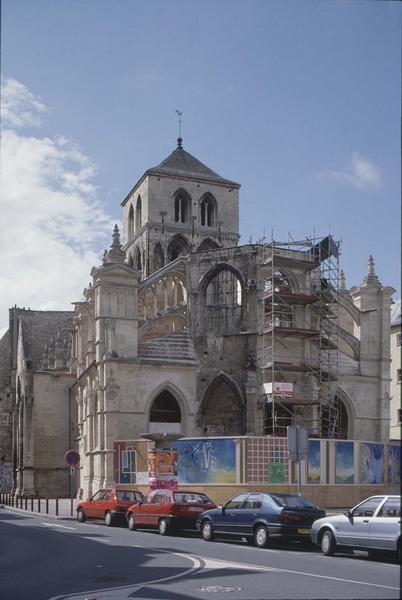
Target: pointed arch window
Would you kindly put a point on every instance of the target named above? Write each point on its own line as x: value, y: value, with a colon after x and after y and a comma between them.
x: 224, y: 303
x: 182, y: 207
x: 137, y: 259
x: 208, y: 210
x: 138, y: 215
x: 131, y: 222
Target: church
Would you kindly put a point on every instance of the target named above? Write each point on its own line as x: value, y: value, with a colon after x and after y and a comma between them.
x: 183, y: 333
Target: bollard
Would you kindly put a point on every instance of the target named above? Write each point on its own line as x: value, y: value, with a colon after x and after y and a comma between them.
x: 57, y: 507
x: 38, y: 505
x: 31, y: 504
x: 26, y: 503
x: 47, y: 506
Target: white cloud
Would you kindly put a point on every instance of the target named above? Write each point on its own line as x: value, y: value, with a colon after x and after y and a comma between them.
x: 19, y: 106
x: 52, y: 225
x: 359, y: 172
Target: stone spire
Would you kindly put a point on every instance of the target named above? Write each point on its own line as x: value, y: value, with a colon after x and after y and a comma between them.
x: 371, y: 278
x: 342, y: 281
x: 115, y: 254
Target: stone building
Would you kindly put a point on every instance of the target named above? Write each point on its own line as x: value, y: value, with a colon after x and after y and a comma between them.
x: 183, y: 332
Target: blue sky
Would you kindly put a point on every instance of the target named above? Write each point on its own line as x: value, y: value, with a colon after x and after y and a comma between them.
x: 298, y: 101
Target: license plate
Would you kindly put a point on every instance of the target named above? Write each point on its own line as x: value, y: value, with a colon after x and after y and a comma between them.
x: 306, y: 531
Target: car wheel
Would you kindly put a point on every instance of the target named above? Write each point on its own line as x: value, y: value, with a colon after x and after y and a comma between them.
x: 131, y: 523
x: 328, y: 543
x: 163, y: 527
x: 108, y: 519
x: 207, y: 531
x: 81, y: 518
x: 260, y: 536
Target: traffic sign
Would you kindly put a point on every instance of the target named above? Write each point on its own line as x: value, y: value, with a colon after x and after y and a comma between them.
x: 72, y: 458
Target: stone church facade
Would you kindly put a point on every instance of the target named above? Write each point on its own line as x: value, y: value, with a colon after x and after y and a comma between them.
x: 184, y: 333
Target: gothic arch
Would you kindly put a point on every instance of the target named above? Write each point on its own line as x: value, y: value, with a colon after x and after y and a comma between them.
x: 178, y: 246
x: 159, y: 257
x: 182, y: 206
x: 208, y: 244
x: 131, y: 222
x: 346, y: 417
x: 138, y: 215
x: 208, y: 210
x: 222, y: 410
x: 137, y: 259
x: 222, y: 300
x: 176, y: 394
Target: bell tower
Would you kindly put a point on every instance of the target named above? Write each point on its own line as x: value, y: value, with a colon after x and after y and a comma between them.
x: 178, y: 207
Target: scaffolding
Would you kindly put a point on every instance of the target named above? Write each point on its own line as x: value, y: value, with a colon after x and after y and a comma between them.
x: 298, y: 327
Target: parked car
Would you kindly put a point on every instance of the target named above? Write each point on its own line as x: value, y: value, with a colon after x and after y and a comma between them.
x: 109, y: 504
x: 260, y: 517
x: 373, y: 525
x: 168, y: 510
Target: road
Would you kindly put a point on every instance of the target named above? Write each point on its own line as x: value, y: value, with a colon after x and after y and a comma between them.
x: 47, y: 558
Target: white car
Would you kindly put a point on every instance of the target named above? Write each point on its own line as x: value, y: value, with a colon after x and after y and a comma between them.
x: 373, y: 525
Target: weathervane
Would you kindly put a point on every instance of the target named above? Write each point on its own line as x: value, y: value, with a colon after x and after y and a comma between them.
x: 179, y: 139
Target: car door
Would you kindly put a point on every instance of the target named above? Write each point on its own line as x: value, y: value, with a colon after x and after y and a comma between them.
x: 248, y: 513
x: 353, y: 530
x: 155, y: 508
x: 225, y: 520
x: 94, y: 509
x: 385, y: 525
x: 141, y: 513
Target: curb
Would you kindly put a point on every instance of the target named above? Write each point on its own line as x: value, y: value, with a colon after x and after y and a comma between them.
x: 35, y: 514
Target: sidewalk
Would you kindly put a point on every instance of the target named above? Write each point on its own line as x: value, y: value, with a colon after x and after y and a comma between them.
x: 64, y: 508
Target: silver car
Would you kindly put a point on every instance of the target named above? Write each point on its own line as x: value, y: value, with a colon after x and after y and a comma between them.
x: 373, y: 525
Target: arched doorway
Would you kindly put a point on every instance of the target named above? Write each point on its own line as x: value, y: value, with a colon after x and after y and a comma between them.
x: 165, y: 414
x: 335, y: 420
x: 222, y: 409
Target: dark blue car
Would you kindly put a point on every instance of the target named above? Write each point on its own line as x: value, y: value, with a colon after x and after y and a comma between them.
x: 260, y: 517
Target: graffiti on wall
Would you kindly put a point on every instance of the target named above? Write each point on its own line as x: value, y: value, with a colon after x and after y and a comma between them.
x: 344, y: 462
x: 371, y: 463
x: 314, y: 461
x: 394, y: 464
x: 6, y: 477
x: 206, y: 461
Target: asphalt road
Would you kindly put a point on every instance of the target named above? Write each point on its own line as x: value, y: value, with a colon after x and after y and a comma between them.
x: 45, y: 558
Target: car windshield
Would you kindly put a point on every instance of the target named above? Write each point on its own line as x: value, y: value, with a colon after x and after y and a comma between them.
x: 292, y: 501
x: 128, y: 496
x: 192, y: 498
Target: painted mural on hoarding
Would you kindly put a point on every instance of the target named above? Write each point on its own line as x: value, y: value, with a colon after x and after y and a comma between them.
x: 344, y: 462
x: 125, y: 462
x: 394, y: 464
x: 314, y: 461
x: 206, y: 461
x: 162, y: 468
x: 371, y: 463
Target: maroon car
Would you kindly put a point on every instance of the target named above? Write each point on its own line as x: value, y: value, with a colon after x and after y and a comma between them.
x: 108, y: 504
x: 168, y: 510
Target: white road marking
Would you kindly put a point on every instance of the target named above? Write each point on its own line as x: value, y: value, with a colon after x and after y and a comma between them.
x: 110, y: 593
x: 232, y: 565
x: 56, y: 525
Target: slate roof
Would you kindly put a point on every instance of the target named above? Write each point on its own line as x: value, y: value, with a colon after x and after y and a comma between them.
x: 396, y: 313
x: 181, y: 163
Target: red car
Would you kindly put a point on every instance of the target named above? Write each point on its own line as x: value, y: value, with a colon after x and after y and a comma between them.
x: 168, y: 510
x: 110, y: 504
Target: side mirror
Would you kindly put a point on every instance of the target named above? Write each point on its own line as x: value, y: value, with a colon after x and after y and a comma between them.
x: 221, y: 507
x: 348, y: 513
x: 89, y: 499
